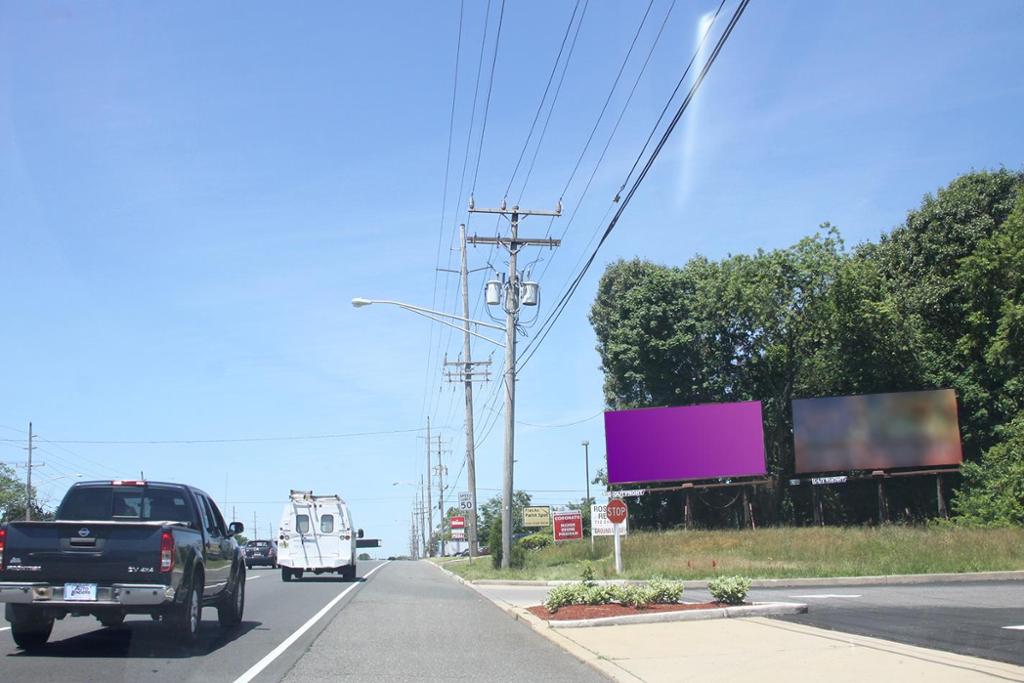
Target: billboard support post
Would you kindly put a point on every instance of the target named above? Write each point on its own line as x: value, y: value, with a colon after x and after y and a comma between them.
x: 748, y: 519
x: 816, y: 507
x: 687, y: 508
x: 941, y: 500
x: 883, y: 506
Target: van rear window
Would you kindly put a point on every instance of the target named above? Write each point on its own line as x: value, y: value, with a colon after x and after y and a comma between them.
x: 327, y: 524
x: 302, y: 524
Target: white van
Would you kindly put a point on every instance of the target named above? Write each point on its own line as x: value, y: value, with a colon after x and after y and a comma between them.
x: 316, y: 535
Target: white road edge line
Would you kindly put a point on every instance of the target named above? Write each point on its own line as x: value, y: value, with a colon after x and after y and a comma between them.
x: 257, y: 576
x: 259, y: 666
x: 1012, y: 628
x: 5, y: 628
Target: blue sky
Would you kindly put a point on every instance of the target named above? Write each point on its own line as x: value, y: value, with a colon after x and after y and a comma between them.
x: 191, y: 195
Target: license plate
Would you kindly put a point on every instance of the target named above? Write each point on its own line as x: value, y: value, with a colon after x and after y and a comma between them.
x: 81, y: 592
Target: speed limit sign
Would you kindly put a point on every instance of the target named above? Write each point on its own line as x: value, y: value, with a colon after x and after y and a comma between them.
x: 465, y: 501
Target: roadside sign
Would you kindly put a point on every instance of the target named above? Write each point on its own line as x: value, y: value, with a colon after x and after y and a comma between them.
x: 616, y: 511
x: 568, y: 526
x: 465, y: 501
x: 537, y: 516
x: 458, y: 534
x: 457, y: 523
x: 600, y: 525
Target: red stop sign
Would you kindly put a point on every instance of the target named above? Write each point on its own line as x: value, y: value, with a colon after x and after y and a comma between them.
x: 616, y: 511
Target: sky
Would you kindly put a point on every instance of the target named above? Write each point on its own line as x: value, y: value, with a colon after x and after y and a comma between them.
x: 191, y: 195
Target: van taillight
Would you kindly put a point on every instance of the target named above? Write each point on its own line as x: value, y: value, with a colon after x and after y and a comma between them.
x: 166, y: 551
x: 3, y: 542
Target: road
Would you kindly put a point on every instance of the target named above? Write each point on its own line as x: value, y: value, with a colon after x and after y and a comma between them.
x: 965, y: 618
x: 403, y: 620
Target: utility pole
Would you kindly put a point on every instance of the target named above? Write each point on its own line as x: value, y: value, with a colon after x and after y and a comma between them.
x: 255, y: 532
x: 467, y: 375
x: 28, y: 478
x: 516, y: 293
x: 441, y: 471
x: 430, y: 507
x: 423, y: 517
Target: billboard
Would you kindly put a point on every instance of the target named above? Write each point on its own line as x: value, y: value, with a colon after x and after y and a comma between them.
x: 708, y: 441
x: 537, y: 516
x: 876, y: 431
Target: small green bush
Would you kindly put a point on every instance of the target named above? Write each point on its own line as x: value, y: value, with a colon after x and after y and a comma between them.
x: 588, y: 573
x: 634, y: 596
x: 731, y: 590
x: 518, y: 557
x: 666, y: 592
x: 536, y: 541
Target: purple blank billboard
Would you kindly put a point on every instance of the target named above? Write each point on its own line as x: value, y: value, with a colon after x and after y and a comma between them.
x: 688, y: 442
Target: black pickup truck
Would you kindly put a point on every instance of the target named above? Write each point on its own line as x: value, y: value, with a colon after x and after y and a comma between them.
x: 119, y: 548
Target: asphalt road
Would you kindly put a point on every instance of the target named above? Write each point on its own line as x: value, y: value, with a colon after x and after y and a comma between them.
x: 413, y: 622
x: 81, y: 649
x: 406, y: 620
x: 965, y: 618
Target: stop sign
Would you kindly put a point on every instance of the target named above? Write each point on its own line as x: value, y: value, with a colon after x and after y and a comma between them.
x: 616, y: 511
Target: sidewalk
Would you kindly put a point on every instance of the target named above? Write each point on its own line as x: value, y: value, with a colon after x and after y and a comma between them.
x: 748, y: 649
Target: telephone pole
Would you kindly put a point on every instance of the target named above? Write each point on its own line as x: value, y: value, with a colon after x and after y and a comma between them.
x: 28, y: 478
x: 466, y: 373
x: 516, y: 294
x: 255, y: 530
x: 441, y: 471
x: 430, y: 505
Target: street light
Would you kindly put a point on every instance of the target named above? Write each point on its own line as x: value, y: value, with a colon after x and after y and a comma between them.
x: 444, y: 319
x: 586, y: 467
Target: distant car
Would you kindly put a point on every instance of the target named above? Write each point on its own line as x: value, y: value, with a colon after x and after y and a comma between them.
x: 261, y: 553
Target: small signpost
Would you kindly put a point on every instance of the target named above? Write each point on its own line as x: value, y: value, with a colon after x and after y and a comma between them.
x: 465, y: 502
x: 617, y: 512
x: 568, y: 526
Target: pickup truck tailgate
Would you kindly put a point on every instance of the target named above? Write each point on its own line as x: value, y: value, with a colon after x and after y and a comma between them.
x: 98, y: 552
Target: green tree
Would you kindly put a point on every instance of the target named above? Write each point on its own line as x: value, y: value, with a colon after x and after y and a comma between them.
x: 490, y: 514
x: 12, y: 498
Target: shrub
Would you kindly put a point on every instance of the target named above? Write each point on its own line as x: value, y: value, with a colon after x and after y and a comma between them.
x: 634, y: 596
x: 666, y: 592
x: 518, y: 558
x: 536, y: 541
x: 588, y: 573
x: 731, y: 590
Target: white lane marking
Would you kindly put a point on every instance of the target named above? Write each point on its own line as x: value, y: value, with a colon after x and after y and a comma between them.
x: 825, y: 596
x: 5, y: 628
x: 250, y: 578
x: 259, y: 666
x: 1012, y: 628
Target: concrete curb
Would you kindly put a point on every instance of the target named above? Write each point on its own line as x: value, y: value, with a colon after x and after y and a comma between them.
x: 760, y: 609
x: 893, y: 580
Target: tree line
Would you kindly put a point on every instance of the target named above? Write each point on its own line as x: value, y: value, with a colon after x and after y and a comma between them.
x: 936, y: 302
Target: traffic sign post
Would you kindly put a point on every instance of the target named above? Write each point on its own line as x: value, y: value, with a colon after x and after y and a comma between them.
x: 617, y: 512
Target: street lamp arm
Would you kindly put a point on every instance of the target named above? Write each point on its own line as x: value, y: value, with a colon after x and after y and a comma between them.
x: 359, y: 302
x: 457, y: 327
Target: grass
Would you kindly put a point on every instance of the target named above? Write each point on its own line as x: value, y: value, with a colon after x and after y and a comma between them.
x: 774, y: 553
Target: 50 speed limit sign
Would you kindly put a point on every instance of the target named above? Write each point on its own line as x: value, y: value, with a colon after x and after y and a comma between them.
x: 465, y: 501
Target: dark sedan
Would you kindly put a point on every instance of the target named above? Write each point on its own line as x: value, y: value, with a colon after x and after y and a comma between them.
x: 261, y: 553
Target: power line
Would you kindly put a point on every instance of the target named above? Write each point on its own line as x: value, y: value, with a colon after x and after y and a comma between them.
x: 563, y: 302
x: 544, y: 97
x: 490, y: 88
x: 148, y: 442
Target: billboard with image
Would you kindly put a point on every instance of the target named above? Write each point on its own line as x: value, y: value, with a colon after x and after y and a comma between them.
x: 709, y: 441
x: 876, y: 431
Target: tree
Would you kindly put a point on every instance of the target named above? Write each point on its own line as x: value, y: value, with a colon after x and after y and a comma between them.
x: 12, y: 498
x: 490, y: 514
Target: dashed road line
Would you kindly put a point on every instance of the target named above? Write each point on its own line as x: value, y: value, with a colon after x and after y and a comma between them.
x: 259, y: 666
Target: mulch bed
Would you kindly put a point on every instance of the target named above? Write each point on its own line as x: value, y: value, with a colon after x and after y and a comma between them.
x: 572, y: 612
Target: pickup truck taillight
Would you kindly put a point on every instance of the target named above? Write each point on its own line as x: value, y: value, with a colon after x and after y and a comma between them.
x: 166, y: 551
x: 3, y: 542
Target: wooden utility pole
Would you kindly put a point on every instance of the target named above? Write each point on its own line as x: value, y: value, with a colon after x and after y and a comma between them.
x: 513, y: 298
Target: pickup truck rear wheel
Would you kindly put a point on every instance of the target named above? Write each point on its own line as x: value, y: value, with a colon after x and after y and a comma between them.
x: 229, y: 611
x: 29, y: 628
x: 184, y: 623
